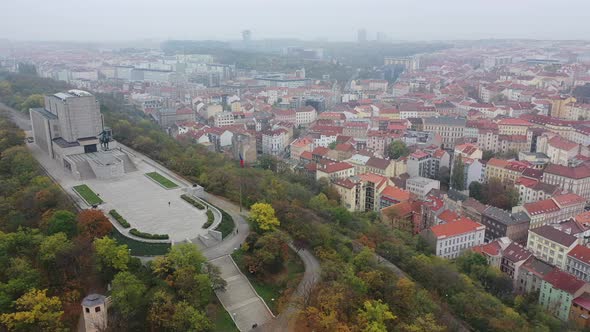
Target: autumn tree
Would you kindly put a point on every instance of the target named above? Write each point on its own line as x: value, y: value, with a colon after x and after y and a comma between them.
x: 262, y: 216
x: 93, y: 224
x: 35, y: 312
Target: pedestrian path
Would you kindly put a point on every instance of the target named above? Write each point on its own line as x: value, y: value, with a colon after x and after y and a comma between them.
x: 240, y: 300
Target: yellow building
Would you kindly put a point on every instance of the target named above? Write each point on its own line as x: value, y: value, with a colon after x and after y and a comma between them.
x: 560, y: 108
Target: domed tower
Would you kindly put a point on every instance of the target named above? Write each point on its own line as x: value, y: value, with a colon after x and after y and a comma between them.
x: 94, y: 309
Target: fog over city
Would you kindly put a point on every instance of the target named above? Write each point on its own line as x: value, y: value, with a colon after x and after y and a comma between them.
x: 333, y: 20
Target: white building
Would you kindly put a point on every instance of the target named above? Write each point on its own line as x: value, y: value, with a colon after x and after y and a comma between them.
x: 451, y: 239
x: 421, y: 186
x: 305, y: 116
x: 274, y: 142
x: 223, y: 119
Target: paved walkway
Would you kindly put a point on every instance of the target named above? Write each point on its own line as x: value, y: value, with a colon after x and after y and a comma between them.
x: 240, y: 299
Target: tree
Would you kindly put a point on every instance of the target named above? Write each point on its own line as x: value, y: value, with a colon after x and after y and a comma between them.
x: 93, y: 224
x: 186, y: 255
x: 332, y: 145
x: 262, y: 216
x: 62, y: 221
x: 35, y: 312
x: 374, y: 316
x: 397, y: 149
x: 110, y: 256
x: 161, y: 310
x: 192, y: 286
x: 458, y: 177
x: 476, y: 190
x: 487, y: 155
x: 32, y: 101
x: 127, y: 293
x: 187, y: 318
x: 54, y: 245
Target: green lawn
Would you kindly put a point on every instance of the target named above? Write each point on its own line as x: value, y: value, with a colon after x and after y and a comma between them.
x: 277, y: 284
x: 87, y: 194
x: 165, y: 182
x: 227, y: 224
x: 222, y: 321
x: 139, y: 248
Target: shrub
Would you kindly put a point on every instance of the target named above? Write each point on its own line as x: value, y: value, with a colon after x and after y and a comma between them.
x: 135, y: 232
x: 193, y: 202
x: 119, y: 219
x: 210, y: 219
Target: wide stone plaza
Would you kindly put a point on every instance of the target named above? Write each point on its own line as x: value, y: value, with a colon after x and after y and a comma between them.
x: 140, y: 200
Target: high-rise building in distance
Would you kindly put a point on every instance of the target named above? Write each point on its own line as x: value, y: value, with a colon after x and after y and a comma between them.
x: 246, y: 35
x: 362, y: 35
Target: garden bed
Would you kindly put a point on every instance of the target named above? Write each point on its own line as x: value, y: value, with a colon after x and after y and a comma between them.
x: 87, y: 194
x: 150, y: 236
x: 119, y: 219
x: 193, y: 202
x: 140, y: 248
x: 210, y: 219
x: 161, y: 180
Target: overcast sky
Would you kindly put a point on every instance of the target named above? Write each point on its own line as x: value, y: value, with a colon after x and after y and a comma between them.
x: 95, y: 20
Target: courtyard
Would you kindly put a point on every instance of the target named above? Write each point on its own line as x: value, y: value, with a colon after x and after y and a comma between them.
x: 144, y: 203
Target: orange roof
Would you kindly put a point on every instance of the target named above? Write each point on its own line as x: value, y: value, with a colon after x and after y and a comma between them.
x: 581, y: 253
x: 336, y: 167
x: 583, y: 218
x: 306, y: 155
x: 501, y: 163
x: 461, y: 226
x: 514, y: 122
x: 569, y: 199
x: 562, y: 143
x: 396, y: 193
x: 371, y: 177
x: 544, y: 206
x: 529, y: 183
x: 448, y: 216
x: 490, y: 249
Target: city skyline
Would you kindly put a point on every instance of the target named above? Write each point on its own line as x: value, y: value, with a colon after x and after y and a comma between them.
x: 329, y: 20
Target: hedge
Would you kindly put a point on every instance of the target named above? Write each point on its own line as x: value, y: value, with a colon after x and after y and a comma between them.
x: 227, y: 224
x: 119, y: 218
x: 140, y: 248
x: 135, y: 232
x: 193, y: 202
x: 210, y: 219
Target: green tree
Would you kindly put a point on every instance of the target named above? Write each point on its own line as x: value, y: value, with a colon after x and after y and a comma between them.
x: 35, y: 312
x: 262, y: 216
x: 192, y: 286
x: 53, y: 246
x: 62, y: 221
x: 476, y: 190
x: 127, y: 294
x: 187, y: 318
x: 110, y: 256
x: 374, y: 316
x: 332, y: 145
x: 397, y: 149
x: 458, y: 177
x: 33, y: 101
x: 161, y: 310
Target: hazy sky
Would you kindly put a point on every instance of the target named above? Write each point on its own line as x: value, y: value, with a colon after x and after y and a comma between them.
x: 95, y: 20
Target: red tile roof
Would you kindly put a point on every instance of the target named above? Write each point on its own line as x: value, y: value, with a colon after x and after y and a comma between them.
x: 583, y: 301
x: 569, y: 199
x: 562, y: 143
x: 578, y: 172
x: 501, y: 163
x: 544, y: 206
x: 529, y: 183
x: 490, y: 249
x: 306, y: 155
x: 514, y: 122
x: 556, y: 235
x: 580, y: 253
x: 336, y: 167
x: 462, y: 226
x: 448, y: 216
x: 583, y: 218
x: 396, y: 193
x: 564, y: 281
x: 516, y: 252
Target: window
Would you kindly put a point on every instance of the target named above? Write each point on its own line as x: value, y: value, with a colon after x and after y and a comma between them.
x: 97, y: 309
x: 87, y: 310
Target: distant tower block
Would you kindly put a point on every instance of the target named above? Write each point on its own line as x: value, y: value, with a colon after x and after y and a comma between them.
x: 246, y: 36
x: 94, y: 309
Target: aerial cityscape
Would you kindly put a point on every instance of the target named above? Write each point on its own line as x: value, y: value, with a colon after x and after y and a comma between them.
x: 249, y: 179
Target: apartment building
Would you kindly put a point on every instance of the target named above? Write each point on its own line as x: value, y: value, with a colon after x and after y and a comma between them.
x: 573, y: 179
x: 578, y: 262
x: 551, y: 245
x: 451, y: 239
x: 450, y: 129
